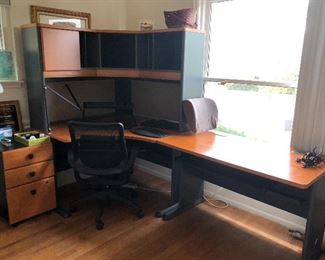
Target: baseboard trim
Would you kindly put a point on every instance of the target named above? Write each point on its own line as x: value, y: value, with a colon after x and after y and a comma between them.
x: 153, y: 169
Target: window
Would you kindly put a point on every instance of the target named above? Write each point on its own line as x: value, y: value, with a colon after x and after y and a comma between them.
x: 254, y: 55
x: 7, y: 57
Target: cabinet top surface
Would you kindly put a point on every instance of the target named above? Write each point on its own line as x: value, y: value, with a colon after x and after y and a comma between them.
x: 16, y: 145
x: 111, y: 30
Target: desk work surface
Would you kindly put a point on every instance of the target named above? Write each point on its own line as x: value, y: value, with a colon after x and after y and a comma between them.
x: 271, y: 162
x: 268, y: 161
x: 60, y: 132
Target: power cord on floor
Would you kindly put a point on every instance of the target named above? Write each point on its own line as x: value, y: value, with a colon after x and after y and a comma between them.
x: 296, y: 234
x: 212, y: 203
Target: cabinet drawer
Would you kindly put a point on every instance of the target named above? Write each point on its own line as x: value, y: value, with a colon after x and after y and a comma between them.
x: 30, y: 173
x: 27, y: 155
x: 31, y: 199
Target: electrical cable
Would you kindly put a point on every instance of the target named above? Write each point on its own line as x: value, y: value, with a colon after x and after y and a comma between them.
x: 212, y: 203
x: 296, y: 234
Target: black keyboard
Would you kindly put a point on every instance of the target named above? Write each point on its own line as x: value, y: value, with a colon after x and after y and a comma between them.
x: 161, y: 124
x: 149, y: 131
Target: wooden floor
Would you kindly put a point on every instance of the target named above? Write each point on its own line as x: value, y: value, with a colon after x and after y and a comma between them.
x: 201, y: 233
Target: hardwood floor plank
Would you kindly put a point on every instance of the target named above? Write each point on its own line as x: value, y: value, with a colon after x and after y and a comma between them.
x: 201, y: 233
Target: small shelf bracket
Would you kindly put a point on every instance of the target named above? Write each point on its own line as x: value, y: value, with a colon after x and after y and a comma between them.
x: 75, y: 102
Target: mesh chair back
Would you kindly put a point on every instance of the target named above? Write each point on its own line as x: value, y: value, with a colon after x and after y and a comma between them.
x: 98, y: 145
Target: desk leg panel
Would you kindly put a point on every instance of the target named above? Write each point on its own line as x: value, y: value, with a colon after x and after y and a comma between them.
x: 187, y: 187
x: 176, y: 173
x: 315, y: 222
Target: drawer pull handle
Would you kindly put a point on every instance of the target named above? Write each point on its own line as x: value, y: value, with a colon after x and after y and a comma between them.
x: 31, y: 174
x: 33, y: 192
x: 30, y: 156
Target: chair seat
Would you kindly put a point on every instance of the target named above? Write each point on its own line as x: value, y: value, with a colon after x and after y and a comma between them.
x: 107, y: 172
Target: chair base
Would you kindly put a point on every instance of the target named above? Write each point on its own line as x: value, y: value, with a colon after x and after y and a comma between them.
x: 115, y: 194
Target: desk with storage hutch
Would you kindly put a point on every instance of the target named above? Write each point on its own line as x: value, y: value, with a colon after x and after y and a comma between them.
x: 61, y: 53
x: 172, y: 55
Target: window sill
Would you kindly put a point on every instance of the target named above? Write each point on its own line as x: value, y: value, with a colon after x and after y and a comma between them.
x: 11, y: 82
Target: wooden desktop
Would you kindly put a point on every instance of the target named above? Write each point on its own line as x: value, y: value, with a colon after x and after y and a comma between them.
x: 261, y: 159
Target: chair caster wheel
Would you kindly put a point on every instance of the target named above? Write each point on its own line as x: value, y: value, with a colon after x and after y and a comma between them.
x: 158, y: 214
x: 73, y: 209
x: 64, y: 213
x: 140, y: 213
x: 99, y: 225
x: 134, y: 194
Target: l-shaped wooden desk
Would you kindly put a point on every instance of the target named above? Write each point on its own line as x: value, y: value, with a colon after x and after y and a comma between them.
x: 265, y: 173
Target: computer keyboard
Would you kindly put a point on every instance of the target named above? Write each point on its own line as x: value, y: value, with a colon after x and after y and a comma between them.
x: 161, y: 124
x: 149, y: 131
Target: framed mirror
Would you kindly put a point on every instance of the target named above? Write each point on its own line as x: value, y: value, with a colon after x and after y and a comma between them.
x: 60, y: 17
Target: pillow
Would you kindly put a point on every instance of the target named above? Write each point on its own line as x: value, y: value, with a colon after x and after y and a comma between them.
x: 181, y: 18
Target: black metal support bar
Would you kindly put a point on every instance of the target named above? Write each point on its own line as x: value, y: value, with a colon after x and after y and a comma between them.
x: 186, y: 193
x: 77, y: 106
x: 123, y: 95
x: 315, y: 222
x: 176, y: 170
x: 73, y: 96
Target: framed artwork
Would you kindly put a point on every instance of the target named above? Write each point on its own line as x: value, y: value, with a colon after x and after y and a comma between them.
x: 10, y: 115
x: 60, y: 17
x: 7, y: 66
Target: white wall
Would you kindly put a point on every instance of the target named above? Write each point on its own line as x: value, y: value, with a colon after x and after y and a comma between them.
x: 137, y: 10
x: 104, y: 14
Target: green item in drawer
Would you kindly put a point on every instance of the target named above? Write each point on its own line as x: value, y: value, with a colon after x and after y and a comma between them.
x: 19, y: 137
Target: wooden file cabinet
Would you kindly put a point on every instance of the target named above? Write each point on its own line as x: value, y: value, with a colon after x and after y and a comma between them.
x: 27, y: 181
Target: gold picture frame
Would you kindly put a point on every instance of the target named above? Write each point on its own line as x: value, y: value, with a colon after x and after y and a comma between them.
x: 61, y: 17
x: 10, y: 115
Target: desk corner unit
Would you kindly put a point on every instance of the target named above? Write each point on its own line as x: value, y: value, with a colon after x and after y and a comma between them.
x: 59, y: 53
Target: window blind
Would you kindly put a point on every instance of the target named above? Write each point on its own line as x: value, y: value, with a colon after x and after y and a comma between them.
x: 4, y: 2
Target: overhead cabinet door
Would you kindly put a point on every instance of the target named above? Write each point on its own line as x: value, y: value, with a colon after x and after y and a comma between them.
x: 61, y: 49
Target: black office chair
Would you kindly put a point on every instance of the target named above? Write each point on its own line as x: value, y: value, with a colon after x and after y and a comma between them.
x: 100, y: 160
